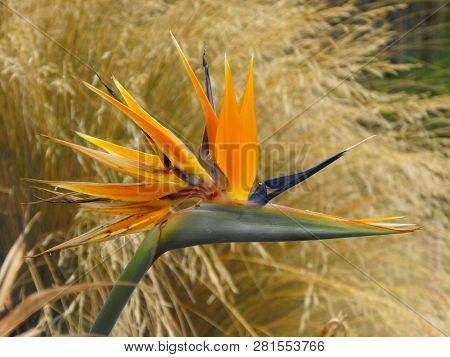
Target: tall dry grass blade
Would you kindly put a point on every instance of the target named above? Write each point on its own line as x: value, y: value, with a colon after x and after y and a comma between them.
x: 37, y: 301
x: 12, y: 264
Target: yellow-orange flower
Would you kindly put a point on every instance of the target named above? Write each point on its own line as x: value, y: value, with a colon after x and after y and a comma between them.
x: 174, y: 174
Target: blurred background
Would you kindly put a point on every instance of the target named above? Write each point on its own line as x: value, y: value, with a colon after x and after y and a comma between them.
x: 335, y: 71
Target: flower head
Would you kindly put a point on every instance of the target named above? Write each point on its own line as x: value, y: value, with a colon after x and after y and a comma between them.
x: 173, y: 178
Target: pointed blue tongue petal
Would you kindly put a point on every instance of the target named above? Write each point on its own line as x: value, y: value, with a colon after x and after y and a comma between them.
x: 278, y: 185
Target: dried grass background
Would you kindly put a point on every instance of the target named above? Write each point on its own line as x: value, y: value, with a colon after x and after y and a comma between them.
x: 302, y: 49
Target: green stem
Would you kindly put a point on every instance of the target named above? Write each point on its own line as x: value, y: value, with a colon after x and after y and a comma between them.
x: 120, y: 294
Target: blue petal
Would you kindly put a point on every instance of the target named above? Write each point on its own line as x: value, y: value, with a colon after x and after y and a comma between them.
x: 204, y: 150
x: 280, y: 184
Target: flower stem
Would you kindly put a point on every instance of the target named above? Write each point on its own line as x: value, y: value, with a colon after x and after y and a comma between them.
x: 120, y: 294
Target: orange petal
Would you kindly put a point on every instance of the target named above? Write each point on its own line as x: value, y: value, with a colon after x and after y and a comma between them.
x: 250, y: 136
x: 235, y: 149
x: 210, y: 115
x: 133, y: 192
x: 376, y: 220
x: 131, y: 224
x: 166, y: 141
x: 148, y: 159
x: 133, y: 168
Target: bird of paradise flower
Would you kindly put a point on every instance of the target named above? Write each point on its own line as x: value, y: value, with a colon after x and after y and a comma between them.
x: 194, y: 200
